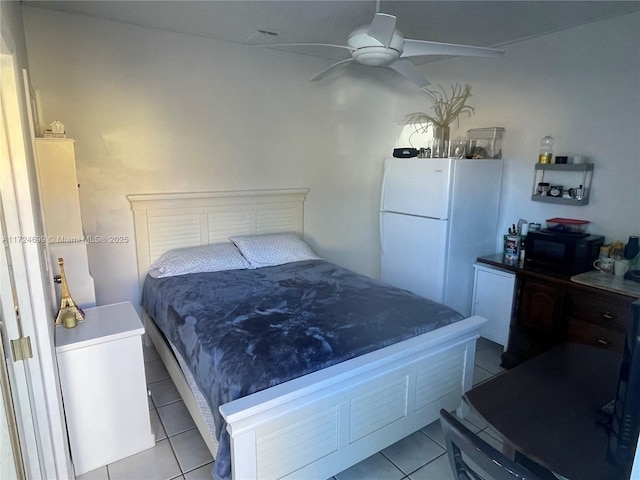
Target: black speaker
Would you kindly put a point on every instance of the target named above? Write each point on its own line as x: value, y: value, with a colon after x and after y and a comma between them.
x: 405, y: 152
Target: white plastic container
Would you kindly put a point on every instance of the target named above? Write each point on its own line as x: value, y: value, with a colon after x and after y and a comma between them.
x: 485, y: 142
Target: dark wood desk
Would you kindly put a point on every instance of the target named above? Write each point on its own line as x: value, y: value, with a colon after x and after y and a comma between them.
x: 551, y: 308
x: 546, y: 409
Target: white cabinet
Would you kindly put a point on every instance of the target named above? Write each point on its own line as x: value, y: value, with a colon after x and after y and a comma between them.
x: 103, y: 386
x: 493, y: 291
x: 60, y: 203
x: 59, y: 187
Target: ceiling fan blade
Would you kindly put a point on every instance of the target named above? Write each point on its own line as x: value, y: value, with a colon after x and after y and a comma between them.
x: 407, y: 69
x: 344, y: 47
x: 333, y: 67
x: 416, y: 48
x: 382, y: 28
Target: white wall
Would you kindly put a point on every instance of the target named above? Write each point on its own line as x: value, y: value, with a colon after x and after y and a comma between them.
x: 154, y: 111
x: 582, y: 86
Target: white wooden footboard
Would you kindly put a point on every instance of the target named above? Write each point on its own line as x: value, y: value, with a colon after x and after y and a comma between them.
x: 320, y: 424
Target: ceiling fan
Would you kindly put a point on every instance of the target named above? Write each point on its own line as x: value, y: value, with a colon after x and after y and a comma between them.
x: 381, y: 44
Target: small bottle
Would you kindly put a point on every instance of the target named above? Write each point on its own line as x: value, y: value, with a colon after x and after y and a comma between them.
x: 546, y: 149
x: 524, y: 230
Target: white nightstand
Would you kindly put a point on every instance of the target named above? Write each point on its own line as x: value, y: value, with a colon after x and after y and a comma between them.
x: 103, y: 386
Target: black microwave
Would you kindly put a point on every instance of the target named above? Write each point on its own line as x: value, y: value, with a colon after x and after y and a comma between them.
x: 562, y: 252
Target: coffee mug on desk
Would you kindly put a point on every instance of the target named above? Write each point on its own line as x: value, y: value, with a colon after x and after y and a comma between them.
x: 605, y: 265
x: 620, y: 267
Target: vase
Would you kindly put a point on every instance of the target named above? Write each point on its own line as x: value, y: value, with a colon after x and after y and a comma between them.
x: 440, y: 141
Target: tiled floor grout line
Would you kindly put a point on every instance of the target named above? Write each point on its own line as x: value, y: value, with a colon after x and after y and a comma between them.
x: 175, y: 454
x: 484, y: 371
x: 408, y: 475
x: 421, y: 466
x: 167, y: 438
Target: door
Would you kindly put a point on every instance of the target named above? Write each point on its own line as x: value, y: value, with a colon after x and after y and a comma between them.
x: 20, y: 430
x: 413, y: 253
x: 26, y: 303
x: 493, y: 299
x: 417, y: 186
x: 11, y: 458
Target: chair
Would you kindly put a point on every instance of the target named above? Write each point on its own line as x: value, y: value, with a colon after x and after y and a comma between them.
x: 482, y: 457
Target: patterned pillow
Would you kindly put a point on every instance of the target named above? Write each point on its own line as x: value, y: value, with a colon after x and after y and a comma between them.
x: 204, y: 258
x: 273, y: 249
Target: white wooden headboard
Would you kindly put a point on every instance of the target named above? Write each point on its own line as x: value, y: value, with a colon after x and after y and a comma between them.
x: 163, y: 221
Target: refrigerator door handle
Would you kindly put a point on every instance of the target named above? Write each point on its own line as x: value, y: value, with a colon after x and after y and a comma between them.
x: 382, y: 232
x: 383, y: 190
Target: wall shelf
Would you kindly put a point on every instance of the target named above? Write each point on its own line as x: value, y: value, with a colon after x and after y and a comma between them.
x: 550, y: 170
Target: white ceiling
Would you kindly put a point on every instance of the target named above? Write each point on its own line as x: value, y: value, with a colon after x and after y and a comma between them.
x: 480, y: 23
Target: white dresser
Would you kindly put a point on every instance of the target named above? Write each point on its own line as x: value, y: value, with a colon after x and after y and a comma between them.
x: 103, y: 386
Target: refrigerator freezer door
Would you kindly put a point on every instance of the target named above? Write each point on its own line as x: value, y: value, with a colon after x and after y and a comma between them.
x: 417, y: 186
x: 413, y: 253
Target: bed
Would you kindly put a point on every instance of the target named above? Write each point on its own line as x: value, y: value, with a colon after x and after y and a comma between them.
x: 320, y: 423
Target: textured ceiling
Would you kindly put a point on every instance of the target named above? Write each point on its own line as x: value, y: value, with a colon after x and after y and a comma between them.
x: 480, y: 23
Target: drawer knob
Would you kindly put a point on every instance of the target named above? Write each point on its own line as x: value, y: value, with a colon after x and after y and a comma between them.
x: 607, y: 315
x: 603, y: 341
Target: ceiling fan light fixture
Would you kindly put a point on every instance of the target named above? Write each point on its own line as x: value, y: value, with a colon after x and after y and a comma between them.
x: 375, y: 56
x: 359, y: 38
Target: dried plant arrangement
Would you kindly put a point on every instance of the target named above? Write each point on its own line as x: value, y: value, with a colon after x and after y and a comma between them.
x: 446, y: 107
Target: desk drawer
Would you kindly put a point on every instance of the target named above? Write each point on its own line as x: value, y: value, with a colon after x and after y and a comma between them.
x: 597, y: 336
x: 608, y: 311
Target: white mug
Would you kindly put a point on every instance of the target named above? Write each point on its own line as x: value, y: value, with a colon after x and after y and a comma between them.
x: 620, y: 267
x: 605, y: 265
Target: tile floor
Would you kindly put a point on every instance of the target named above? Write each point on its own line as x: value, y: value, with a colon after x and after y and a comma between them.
x: 180, y: 452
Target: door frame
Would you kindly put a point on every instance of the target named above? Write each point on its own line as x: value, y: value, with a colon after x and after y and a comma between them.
x: 38, y: 399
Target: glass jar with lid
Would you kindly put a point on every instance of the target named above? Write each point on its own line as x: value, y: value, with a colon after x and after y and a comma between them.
x: 546, y: 149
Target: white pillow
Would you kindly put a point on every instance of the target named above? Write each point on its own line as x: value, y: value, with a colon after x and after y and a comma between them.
x: 273, y: 249
x: 204, y: 258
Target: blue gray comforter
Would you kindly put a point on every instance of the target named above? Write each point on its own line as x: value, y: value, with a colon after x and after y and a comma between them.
x: 241, y: 331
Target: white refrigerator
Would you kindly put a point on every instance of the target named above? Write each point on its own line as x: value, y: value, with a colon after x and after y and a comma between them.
x: 437, y: 215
